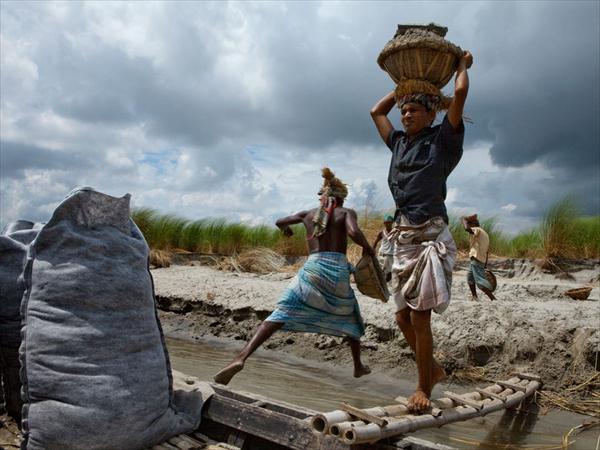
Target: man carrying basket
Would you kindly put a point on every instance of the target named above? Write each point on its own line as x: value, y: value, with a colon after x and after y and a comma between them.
x: 479, y: 244
x: 423, y: 156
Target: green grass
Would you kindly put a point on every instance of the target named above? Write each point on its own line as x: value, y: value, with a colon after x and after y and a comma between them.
x: 563, y: 233
x: 169, y: 232
x: 556, y: 228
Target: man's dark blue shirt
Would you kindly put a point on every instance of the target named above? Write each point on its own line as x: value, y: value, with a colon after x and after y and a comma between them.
x: 420, y: 167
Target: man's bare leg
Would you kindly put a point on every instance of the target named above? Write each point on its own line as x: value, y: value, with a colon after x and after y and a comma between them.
x: 421, y: 321
x: 404, y: 323
x: 473, y: 291
x: 359, y: 368
x: 264, y: 332
x: 487, y: 292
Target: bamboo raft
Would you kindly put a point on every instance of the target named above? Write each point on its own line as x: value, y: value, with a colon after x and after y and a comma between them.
x: 235, y: 420
x: 354, y: 426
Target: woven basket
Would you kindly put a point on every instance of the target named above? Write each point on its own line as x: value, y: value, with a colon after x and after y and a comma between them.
x: 489, y: 275
x: 370, y: 279
x: 579, y: 293
x: 420, y: 52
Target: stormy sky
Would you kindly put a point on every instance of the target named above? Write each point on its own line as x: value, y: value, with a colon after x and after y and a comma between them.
x: 231, y: 109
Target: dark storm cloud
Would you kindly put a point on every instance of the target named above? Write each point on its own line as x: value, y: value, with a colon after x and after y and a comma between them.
x: 539, y: 94
x: 535, y: 86
x: 15, y: 158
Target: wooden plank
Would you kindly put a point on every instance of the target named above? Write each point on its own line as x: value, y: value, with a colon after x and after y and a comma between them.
x: 527, y: 376
x: 210, y: 441
x: 237, y: 438
x: 164, y: 446
x: 363, y: 415
x: 277, y: 406
x: 463, y: 401
x: 270, y: 425
x: 184, y: 442
x: 435, y: 412
x: 421, y: 444
x: 488, y: 394
x: 514, y: 387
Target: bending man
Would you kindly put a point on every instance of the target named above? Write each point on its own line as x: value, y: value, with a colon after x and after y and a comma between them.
x: 422, y: 158
x: 478, y: 253
x: 319, y: 299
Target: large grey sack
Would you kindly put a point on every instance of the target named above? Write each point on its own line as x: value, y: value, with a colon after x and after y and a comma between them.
x: 14, y: 241
x: 95, y: 369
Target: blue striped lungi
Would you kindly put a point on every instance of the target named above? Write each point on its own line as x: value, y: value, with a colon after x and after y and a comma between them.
x: 320, y: 300
x: 476, y: 274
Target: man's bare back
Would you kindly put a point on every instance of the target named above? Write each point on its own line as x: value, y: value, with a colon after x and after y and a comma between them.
x: 342, y: 223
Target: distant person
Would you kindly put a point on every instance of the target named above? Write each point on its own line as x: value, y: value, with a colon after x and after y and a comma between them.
x: 479, y: 244
x: 386, y: 249
x: 422, y: 158
x: 319, y: 299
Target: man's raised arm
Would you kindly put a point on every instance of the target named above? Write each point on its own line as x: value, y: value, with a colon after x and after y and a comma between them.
x: 284, y: 223
x: 355, y: 234
x: 461, y: 89
x: 379, y: 114
x: 377, y: 239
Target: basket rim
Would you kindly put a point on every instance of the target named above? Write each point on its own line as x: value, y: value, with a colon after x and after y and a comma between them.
x: 577, y: 290
x: 397, y: 44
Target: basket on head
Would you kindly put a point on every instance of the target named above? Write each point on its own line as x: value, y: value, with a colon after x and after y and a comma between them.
x: 472, y: 218
x: 370, y: 279
x: 579, y: 293
x: 489, y: 275
x: 420, y: 52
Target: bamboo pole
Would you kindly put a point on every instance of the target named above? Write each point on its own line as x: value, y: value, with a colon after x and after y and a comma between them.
x: 323, y: 422
x: 372, y: 432
x: 361, y: 414
x: 435, y: 411
x: 338, y: 429
x: 487, y: 394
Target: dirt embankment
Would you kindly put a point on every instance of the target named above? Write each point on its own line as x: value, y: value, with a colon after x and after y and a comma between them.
x: 531, y: 327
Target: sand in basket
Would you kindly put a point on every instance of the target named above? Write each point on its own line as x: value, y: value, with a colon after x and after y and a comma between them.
x: 420, y: 60
x: 370, y: 279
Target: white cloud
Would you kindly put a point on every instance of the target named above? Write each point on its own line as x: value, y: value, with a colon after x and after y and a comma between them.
x: 509, y: 207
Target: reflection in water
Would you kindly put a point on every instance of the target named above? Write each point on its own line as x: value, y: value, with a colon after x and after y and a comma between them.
x: 323, y: 386
x: 514, y: 427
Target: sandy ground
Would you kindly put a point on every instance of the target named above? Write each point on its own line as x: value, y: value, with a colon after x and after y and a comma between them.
x: 532, y: 326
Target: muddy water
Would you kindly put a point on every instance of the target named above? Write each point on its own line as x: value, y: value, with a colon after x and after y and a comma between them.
x: 322, y: 386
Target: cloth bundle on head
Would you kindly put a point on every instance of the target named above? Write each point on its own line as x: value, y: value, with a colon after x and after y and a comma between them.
x: 423, y: 93
x: 332, y: 189
x: 472, y: 219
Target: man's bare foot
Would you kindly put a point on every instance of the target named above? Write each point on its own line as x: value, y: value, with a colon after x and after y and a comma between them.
x: 362, y: 370
x: 438, y: 374
x: 225, y: 375
x: 419, y: 402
